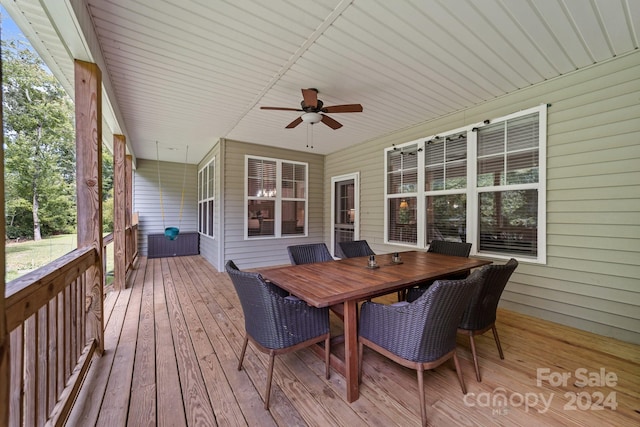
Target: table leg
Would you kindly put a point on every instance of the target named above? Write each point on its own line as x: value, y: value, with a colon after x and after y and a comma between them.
x: 351, y: 349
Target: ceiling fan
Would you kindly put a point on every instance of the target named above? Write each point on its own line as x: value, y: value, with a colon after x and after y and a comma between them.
x: 313, y: 109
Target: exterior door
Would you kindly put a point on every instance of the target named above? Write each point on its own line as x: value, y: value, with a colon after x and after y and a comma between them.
x: 345, y: 210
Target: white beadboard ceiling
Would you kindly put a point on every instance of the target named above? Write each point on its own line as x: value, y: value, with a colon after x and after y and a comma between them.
x: 187, y: 72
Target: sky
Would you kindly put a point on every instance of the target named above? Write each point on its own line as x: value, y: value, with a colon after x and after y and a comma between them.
x: 9, y: 29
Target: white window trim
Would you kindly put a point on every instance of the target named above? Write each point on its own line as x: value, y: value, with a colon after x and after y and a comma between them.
x: 472, y: 190
x: 278, y: 199
x: 203, y: 229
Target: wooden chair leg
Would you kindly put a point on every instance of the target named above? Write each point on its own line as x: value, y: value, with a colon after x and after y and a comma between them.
x: 267, y: 394
x: 244, y: 349
x: 475, y: 356
x: 495, y: 336
x: 459, y: 372
x: 327, y: 357
x: 423, y: 409
x: 360, y: 351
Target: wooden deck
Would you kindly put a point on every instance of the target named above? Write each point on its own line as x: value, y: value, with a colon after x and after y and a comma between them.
x: 173, y: 337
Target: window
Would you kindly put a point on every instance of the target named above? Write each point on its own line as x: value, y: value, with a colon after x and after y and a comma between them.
x: 402, y: 188
x: 483, y: 184
x: 276, y: 198
x: 206, y: 198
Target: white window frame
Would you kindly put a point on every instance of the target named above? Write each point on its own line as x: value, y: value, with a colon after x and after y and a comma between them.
x: 207, y: 199
x: 472, y: 191
x: 278, y: 199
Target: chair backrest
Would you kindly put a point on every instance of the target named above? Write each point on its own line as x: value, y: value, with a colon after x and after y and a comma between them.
x: 258, y: 299
x: 436, y: 315
x: 461, y: 249
x: 308, y: 253
x: 354, y: 249
x: 481, y: 311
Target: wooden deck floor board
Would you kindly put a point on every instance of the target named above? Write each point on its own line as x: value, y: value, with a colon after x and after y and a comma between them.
x: 175, y: 334
x: 227, y: 411
x: 114, y: 409
x: 195, y: 398
x: 142, y: 404
x: 238, y: 385
x: 170, y: 408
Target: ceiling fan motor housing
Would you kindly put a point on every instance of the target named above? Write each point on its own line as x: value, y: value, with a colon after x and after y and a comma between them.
x: 310, y: 109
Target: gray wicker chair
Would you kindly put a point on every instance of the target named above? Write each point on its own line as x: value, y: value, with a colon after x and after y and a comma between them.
x: 419, y: 335
x: 355, y: 248
x: 275, y: 324
x: 461, y: 249
x: 480, y: 315
x: 309, y: 253
x: 358, y: 248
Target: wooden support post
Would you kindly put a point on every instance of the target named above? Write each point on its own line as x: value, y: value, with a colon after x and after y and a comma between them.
x: 88, y: 112
x: 4, y: 334
x: 128, y: 207
x: 119, y: 207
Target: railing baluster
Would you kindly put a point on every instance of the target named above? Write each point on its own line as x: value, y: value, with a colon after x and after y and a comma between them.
x: 42, y: 371
x: 16, y: 403
x: 60, y: 382
x: 67, y: 332
x: 80, y: 338
x: 52, y: 354
x: 30, y: 369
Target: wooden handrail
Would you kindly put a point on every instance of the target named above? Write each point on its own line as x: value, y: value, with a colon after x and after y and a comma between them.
x: 27, y: 294
x: 107, y: 239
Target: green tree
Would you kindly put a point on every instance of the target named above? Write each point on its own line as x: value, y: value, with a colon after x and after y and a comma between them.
x: 39, y: 153
x: 107, y: 190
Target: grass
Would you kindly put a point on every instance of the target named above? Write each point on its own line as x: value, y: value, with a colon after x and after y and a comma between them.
x: 26, y: 256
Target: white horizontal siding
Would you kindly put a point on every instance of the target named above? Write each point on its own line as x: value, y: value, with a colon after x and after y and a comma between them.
x: 146, y: 198
x: 592, y: 276
x: 265, y: 252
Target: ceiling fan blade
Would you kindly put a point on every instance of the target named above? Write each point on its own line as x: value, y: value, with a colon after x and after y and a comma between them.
x: 346, y: 108
x: 294, y: 123
x: 310, y: 97
x: 330, y: 122
x: 280, y: 108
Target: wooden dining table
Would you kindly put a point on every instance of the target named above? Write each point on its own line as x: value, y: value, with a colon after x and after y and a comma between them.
x: 350, y: 280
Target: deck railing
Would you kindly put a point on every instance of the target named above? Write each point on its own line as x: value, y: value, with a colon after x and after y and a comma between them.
x: 131, y: 245
x: 55, y: 327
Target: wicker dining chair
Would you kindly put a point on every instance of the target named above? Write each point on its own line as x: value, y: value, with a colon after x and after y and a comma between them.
x: 461, y: 249
x: 419, y: 335
x: 355, y: 248
x: 274, y: 323
x: 480, y: 315
x: 308, y: 253
x: 358, y: 248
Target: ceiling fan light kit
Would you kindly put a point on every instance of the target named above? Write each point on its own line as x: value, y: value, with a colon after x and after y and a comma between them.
x: 311, y: 118
x: 313, y: 109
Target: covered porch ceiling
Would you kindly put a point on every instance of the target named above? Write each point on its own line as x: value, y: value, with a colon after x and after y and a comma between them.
x: 190, y: 72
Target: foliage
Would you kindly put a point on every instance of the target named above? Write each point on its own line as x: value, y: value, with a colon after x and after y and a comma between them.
x: 107, y: 212
x: 107, y: 190
x: 39, y: 151
x: 107, y: 174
